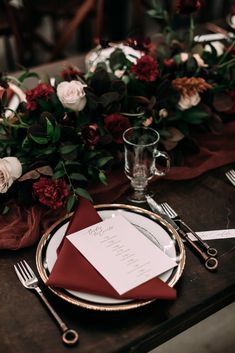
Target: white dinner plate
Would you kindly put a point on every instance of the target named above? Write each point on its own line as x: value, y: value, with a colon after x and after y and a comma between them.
x: 230, y: 19
x: 151, y: 225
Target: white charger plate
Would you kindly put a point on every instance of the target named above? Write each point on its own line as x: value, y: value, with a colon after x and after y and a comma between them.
x: 151, y: 225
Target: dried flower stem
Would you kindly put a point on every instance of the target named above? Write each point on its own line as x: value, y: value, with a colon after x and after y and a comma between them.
x: 191, y: 31
x: 227, y: 63
x: 226, y: 53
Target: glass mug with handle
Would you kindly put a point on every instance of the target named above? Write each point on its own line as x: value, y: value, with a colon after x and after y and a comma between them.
x: 141, y: 152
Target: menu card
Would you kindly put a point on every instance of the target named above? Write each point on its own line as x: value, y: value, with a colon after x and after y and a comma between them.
x: 121, y: 253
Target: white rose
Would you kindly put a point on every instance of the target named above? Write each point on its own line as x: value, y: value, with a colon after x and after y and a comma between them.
x: 72, y: 95
x: 219, y: 47
x: 199, y: 60
x: 119, y: 73
x: 10, y: 170
x: 187, y: 102
x: 184, y: 57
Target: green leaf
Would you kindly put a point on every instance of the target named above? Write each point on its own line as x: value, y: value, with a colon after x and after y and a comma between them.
x: 102, y: 177
x: 68, y: 149
x: 56, y: 134
x: 45, y: 105
x: 4, y: 98
x: 78, y: 176
x: 82, y: 192
x: 50, y: 128
x: 117, y: 60
x: 71, y: 202
x: 48, y: 150
x: 26, y: 75
x: 155, y: 14
x: 194, y: 116
x: 39, y: 140
x: 5, y: 210
x: 59, y: 174
x: 59, y: 166
x: 67, y: 163
x: 93, y: 154
x: 102, y: 161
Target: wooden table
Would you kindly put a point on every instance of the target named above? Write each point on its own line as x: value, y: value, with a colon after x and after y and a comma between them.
x: 206, y: 203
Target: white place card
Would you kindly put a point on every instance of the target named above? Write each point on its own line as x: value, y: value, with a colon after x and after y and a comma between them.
x: 215, y: 234
x: 121, y: 253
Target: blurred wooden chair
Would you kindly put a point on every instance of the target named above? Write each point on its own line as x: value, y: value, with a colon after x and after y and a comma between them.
x: 81, y: 12
x: 65, y: 18
x: 11, y: 47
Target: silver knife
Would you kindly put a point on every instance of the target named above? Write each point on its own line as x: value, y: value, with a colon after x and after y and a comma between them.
x: 211, y: 263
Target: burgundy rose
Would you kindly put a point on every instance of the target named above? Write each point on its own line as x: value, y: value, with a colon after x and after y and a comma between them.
x: 42, y: 91
x: 169, y: 62
x: 116, y: 124
x: 50, y: 192
x: 187, y: 7
x: 90, y: 134
x: 146, y: 68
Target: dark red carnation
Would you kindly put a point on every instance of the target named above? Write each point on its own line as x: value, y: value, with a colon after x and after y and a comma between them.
x: 116, y: 124
x: 90, y: 134
x: 50, y: 192
x: 146, y: 68
x: 71, y: 74
x: 187, y: 7
x: 42, y: 91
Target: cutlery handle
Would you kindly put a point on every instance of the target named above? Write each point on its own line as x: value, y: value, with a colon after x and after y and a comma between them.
x: 210, y: 251
x: 211, y: 263
x: 69, y: 336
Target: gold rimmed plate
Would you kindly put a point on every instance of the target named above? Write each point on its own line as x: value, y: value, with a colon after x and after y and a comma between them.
x: 161, y: 233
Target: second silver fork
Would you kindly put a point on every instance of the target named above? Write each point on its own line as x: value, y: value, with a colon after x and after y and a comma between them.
x: 231, y: 176
x: 169, y: 210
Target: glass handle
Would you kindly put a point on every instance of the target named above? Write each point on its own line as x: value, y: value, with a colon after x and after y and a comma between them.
x: 165, y: 169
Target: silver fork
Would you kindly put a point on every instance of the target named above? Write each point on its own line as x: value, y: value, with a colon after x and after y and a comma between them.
x: 231, y: 176
x: 172, y: 214
x: 29, y: 280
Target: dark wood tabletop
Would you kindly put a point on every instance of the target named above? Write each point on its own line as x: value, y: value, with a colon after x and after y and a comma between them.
x: 206, y: 203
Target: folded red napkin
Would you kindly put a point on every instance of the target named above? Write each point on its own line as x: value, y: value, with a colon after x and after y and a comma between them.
x: 73, y: 271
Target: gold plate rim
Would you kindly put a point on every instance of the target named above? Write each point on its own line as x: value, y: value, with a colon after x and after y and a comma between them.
x: 109, y: 307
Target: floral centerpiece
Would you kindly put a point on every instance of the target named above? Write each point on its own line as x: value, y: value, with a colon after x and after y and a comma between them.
x: 67, y: 134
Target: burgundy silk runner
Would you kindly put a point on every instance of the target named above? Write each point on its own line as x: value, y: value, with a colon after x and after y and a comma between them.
x: 23, y: 227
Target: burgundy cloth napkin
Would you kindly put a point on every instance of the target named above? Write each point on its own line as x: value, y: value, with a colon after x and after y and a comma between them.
x: 73, y: 271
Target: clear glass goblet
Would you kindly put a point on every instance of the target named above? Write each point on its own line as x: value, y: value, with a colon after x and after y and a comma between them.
x: 141, y: 152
